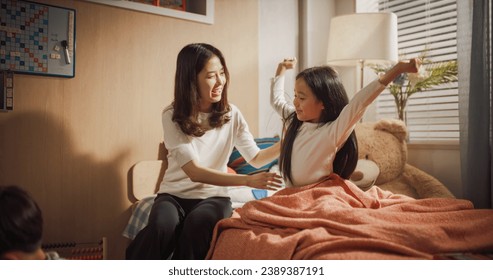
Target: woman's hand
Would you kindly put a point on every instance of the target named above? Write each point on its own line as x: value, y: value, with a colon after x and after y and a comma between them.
x: 265, y: 180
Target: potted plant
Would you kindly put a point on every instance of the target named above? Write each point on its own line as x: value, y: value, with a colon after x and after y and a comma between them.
x: 430, y: 74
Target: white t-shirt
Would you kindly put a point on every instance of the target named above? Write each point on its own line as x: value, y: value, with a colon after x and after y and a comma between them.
x: 316, y: 145
x: 211, y: 150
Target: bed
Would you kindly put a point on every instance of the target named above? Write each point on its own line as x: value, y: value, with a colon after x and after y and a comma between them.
x: 333, y: 219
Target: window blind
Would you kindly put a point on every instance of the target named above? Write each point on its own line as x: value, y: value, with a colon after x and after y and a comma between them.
x: 432, y: 115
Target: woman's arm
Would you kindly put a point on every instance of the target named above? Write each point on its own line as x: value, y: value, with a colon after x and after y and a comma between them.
x: 263, y: 180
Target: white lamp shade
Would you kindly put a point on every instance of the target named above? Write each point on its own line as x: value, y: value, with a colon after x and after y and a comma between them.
x: 363, y: 37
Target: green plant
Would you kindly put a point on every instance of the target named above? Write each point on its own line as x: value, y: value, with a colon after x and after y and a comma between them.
x: 431, y: 74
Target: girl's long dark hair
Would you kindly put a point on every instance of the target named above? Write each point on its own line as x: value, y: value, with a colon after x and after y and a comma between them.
x: 191, y: 60
x: 326, y: 86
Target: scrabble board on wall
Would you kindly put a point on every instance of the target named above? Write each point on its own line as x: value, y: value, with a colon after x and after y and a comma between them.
x: 37, y: 38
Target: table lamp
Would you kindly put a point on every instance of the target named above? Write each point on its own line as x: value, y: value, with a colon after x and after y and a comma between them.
x: 362, y: 38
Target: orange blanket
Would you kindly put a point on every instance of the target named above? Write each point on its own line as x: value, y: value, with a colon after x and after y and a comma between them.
x: 334, y: 219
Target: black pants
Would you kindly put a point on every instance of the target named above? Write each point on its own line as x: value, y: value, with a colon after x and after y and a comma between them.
x: 182, y: 227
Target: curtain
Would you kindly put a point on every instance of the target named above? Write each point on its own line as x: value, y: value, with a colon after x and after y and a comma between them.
x: 475, y: 100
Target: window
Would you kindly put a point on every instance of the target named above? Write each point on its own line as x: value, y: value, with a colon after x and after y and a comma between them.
x: 432, y: 115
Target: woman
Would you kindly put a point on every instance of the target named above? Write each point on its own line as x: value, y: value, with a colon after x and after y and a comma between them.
x: 319, y: 137
x: 200, y: 131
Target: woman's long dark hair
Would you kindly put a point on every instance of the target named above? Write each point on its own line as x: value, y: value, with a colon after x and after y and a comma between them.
x: 191, y: 60
x: 326, y: 86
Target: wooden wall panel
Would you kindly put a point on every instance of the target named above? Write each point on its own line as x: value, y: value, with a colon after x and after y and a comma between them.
x: 71, y: 142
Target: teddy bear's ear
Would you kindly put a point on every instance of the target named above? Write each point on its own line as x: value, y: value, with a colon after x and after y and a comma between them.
x: 393, y: 126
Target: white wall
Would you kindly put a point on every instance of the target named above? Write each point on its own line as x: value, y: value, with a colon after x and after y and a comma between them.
x: 314, y: 31
x: 278, y: 38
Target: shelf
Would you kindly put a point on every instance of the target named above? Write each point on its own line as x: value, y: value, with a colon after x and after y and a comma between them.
x: 196, y: 10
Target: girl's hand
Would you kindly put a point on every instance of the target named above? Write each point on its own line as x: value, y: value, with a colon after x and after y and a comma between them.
x: 265, y: 181
x: 412, y: 66
x: 289, y: 63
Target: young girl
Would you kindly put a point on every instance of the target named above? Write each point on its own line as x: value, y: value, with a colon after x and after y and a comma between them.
x: 200, y: 130
x: 319, y: 138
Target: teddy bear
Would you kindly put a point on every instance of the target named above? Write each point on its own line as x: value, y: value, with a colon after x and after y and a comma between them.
x: 382, y: 161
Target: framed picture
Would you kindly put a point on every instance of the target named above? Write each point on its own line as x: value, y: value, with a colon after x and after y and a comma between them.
x: 196, y: 10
